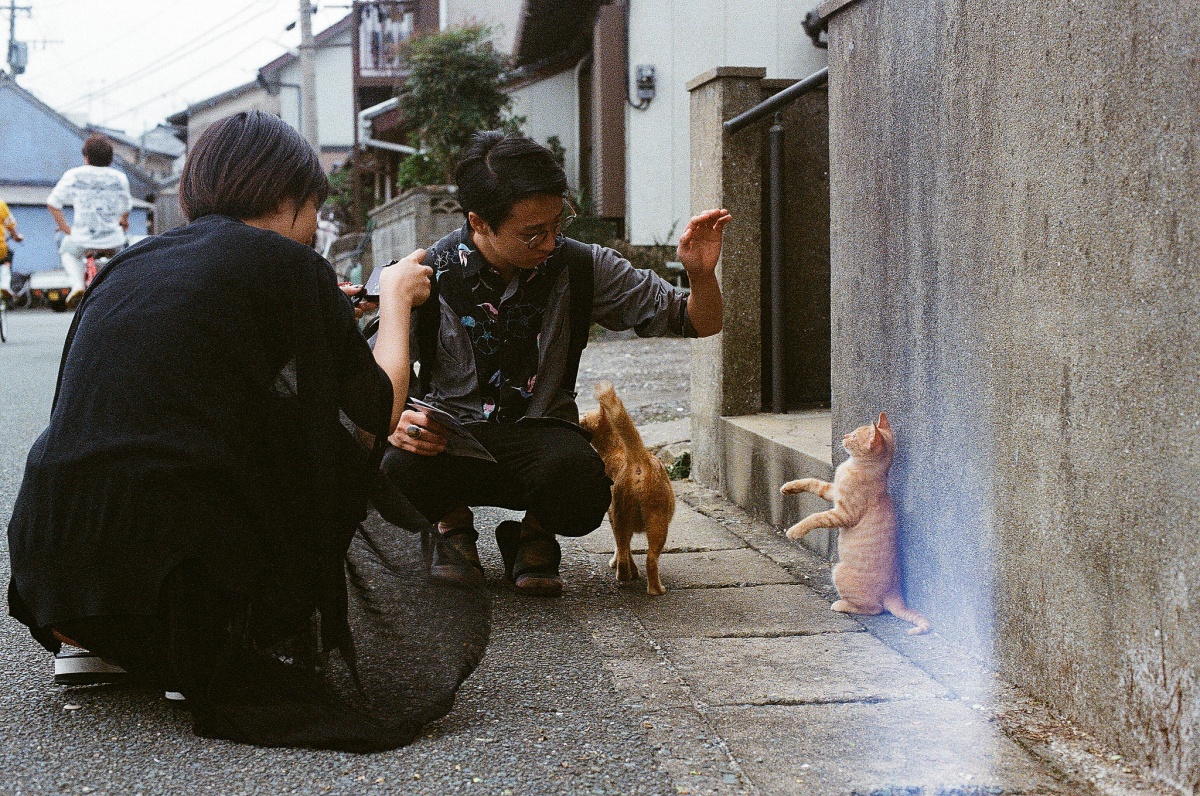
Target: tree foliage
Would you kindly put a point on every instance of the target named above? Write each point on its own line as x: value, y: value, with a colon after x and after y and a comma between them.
x: 452, y: 92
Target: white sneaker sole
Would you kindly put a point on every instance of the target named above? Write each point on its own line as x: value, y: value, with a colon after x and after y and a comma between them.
x: 85, y: 670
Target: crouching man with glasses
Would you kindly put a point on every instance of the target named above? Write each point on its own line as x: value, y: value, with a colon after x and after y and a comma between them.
x: 499, y: 351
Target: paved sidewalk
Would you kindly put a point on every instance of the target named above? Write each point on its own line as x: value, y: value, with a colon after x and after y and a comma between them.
x: 751, y: 684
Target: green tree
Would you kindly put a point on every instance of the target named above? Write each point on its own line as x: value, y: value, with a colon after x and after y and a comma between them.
x: 453, y: 91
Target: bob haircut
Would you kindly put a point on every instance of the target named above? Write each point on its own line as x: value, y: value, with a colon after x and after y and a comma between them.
x: 498, y: 171
x: 98, y: 150
x: 246, y: 164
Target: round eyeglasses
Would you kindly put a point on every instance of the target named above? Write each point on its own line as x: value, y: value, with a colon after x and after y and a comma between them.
x: 565, y: 220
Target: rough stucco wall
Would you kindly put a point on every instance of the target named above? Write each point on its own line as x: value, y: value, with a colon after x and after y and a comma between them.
x: 1014, y: 247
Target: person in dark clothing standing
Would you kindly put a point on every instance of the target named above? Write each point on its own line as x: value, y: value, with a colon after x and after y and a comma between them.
x: 504, y: 358
x: 195, y: 492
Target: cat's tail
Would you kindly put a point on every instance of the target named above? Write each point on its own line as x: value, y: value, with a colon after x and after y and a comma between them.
x: 894, y: 605
x: 622, y: 423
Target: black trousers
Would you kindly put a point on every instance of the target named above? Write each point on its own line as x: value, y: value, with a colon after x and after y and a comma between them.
x: 542, y: 467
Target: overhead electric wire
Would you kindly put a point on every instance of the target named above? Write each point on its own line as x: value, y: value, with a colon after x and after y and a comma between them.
x: 150, y: 21
x: 146, y: 70
x: 109, y: 117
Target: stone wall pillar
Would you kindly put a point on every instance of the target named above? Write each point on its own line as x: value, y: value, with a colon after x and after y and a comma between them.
x: 727, y: 172
x: 416, y: 219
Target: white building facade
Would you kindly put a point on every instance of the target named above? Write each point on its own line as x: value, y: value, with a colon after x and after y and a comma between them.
x: 682, y: 39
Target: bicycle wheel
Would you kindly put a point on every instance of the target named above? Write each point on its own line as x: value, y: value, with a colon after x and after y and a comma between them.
x: 3, y: 320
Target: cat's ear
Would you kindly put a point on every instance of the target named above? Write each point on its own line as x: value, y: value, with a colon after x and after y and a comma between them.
x: 883, y: 422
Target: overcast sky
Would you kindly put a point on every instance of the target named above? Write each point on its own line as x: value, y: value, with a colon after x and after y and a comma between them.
x: 130, y: 63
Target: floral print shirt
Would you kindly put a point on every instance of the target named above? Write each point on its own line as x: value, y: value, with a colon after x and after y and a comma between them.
x: 504, y: 321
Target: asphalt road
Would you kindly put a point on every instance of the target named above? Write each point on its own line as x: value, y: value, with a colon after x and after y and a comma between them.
x: 539, y: 716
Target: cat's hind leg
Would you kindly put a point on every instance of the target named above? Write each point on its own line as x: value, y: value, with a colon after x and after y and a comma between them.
x: 858, y: 595
x: 847, y: 607
x: 822, y: 489
x: 656, y: 523
x: 623, y: 524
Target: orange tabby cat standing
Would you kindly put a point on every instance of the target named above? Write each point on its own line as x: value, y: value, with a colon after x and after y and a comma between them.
x: 642, y: 498
x: 867, y: 575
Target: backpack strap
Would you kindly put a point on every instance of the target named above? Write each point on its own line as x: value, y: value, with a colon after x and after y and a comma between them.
x: 582, y: 281
x: 429, y: 318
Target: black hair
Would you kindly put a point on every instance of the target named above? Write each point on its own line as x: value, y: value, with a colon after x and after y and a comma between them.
x: 246, y: 164
x: 98, y: 150
x: 500, y: 170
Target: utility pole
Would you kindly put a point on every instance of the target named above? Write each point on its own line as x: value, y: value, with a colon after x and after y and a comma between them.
x: 308, y: 77
x: 18, y: 51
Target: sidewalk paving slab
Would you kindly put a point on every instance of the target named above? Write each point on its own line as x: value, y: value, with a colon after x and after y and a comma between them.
x: 748, y: 612
x: 740, y: 567
x: 832, y: 667
x: 690, y: 532
x: 909, y: 748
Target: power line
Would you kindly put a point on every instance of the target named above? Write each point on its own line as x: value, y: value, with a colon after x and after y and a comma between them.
x: 147, y: 70
x: 138, y: 29
x: 109, y: 117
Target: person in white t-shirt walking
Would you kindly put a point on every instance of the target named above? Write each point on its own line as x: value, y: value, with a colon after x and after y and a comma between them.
x: 101, y: 198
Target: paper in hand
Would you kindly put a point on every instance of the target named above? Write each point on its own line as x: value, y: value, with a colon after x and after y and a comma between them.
x: 459, y: 441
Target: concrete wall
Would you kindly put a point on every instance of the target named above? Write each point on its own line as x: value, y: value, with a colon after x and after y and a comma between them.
x: 731, y: 372
x: 417, y: 218
x: 806, y: 322
x: 502, y: 16
x: 335, y: 92
x: 551, y: 107
x: 682, y: 39
x: 1014, y: 247
x: 255, y: 99
x: 726, y: 172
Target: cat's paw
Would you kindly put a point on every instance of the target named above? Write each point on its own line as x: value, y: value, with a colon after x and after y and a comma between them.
x: 656, y: 589
x: 612, y: 564
x: 792, y: 487
x: 627, y: 572
x: 796, y: 531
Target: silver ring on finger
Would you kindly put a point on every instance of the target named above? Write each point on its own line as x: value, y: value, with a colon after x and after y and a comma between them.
x: 413, y: 431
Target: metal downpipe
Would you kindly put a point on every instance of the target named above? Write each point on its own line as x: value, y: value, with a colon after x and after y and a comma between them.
x: 775, y: 165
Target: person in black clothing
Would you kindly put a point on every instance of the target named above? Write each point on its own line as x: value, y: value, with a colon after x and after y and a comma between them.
x: 515, y: 301
x: 190, y: 504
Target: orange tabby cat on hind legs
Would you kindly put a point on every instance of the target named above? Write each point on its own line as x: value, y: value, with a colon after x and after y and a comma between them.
x: 867, y: 575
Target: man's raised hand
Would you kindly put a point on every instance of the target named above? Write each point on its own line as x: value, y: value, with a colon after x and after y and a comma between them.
x: 700, y: 244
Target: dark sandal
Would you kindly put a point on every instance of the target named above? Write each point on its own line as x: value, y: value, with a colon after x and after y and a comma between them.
x: 508, y: 541
x: 455, y: 556
x: 535, y: 566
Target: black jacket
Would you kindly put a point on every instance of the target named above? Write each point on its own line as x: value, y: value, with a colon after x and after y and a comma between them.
x: 197, y: 418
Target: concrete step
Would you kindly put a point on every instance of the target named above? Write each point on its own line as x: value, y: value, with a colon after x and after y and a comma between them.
x: 763, y: 452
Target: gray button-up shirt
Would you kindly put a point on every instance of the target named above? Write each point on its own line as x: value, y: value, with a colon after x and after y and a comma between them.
x: 624, y: 297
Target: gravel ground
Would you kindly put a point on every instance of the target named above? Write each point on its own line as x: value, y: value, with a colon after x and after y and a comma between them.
x: 652, y: 375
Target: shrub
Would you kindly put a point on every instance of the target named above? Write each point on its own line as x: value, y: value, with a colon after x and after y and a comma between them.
x: 452, y: 91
